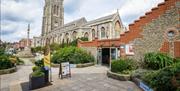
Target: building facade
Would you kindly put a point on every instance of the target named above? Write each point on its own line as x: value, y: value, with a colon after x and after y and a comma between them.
x: 55, y: 31
x: 157, y: 31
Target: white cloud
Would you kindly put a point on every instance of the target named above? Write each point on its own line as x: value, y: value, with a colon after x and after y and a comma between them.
x: 16, y: 14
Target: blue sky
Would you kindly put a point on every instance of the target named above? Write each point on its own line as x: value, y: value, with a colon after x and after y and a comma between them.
x: 16, y: 14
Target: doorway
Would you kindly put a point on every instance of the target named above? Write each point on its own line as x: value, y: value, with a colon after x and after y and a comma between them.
x: 105, y: 56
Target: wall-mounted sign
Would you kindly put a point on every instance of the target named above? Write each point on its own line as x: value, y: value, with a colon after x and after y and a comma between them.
x: 129, y: 49
x: 64, y: 70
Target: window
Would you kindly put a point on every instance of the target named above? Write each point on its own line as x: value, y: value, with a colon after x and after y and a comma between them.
x: 74, y: 35
x: 86, y: 35
x: 67, y: 38
x: 117, y: 29
x: 57, y: 10
x: 54, y: 9
x: 103, y: 32
x: 93, y: 34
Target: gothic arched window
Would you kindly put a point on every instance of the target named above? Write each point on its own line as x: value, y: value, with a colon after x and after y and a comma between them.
x: 60, y: 38
x: 93, y: 34
x: 103, y: 32
x: 54, y: 9
x: 74, y: 35
x: 57, y: 12
x: 86, y: 35
x: 67, y: 38
x: 117, y: 29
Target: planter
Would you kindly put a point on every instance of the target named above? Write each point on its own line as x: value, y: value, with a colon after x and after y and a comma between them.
x: 46, y: 77
x: 8, y: 71
x: 121, y: 77
x: 36, y: 82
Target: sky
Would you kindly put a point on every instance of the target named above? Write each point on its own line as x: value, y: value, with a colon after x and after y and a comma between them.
x: 17, y: 14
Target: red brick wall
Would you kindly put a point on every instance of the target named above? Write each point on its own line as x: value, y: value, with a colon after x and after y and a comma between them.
x: 177, y: 49
x: 165, y: 48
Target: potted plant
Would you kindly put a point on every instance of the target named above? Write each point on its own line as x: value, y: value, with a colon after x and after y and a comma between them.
x: 37, y: 79
x: 40, y: 65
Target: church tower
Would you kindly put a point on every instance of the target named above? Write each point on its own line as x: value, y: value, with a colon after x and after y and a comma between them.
x: 53, y: 16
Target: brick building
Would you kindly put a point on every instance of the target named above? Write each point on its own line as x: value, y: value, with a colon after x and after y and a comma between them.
x: 157, y: 30
x: 23, y: 43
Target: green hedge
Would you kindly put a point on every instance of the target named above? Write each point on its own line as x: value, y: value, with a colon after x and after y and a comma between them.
x: 73, y: 55
x: 157, y: 61
x: 122, y: 65
x: 166, y: 79
x: 5, y: 62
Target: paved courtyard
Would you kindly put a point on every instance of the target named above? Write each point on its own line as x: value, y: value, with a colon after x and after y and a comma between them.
x: 83, y: 79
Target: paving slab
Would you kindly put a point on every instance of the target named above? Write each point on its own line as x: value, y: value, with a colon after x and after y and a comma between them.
x: 83, y: 79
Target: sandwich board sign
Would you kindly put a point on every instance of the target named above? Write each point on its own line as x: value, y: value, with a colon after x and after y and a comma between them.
x: 64, y: 70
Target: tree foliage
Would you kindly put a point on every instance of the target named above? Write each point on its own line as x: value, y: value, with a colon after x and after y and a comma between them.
x: 73, y: 55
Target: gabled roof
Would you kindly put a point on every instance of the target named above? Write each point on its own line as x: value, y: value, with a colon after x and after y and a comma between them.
x: 77, y: 22
x: 73, y: 24
x: 103, y: 19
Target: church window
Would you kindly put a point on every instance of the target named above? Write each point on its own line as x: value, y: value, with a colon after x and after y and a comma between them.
x: 93, y: 34
x: 117, y: 29
x: 67, y: 38
x: 54, y: 9
x: 57, y: 10
x: 86, y: 35
x: 103, y: 32
x: 74, y: 35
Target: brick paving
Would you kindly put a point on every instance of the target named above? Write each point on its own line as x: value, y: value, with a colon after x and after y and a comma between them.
x: 83, y: 79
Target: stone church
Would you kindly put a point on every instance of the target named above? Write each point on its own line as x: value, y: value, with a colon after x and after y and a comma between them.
x: 55, y: 31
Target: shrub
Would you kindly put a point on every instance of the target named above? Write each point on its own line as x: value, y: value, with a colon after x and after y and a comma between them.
x: 16, y: 60
x: 2, y: 51
x: 73, y: 55
x: 176, y: 60
x: 166, y: 79
x: 5, y: 62
x: 39, y: 63
x: 37, y: 74
x: 54, y: 46
x: 19, y: 62
x: 123, y: 65
x: 139, y: 73
x: 37, y: 49
x: 36, y: 68
x: 157, y: 61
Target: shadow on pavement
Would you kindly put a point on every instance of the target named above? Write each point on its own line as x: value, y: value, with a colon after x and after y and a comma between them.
x: 25, y: 86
